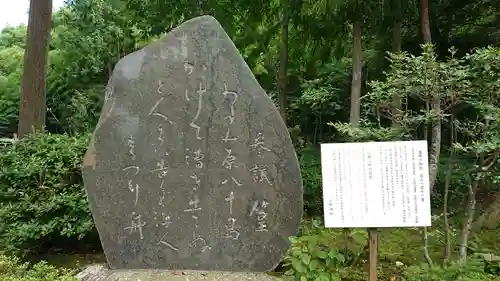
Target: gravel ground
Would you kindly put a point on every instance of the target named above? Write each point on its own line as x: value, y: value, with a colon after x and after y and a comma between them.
x: 101, y: 273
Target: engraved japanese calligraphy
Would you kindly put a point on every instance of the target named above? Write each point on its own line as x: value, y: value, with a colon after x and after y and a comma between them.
x: 191, y: 165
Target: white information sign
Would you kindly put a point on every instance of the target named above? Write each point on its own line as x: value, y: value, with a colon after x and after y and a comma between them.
x: 376, y: 184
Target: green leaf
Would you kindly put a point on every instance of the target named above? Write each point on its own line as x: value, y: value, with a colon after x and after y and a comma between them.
x: 324, y: 276
x: 306, y: 259
x: 298, y: 266
x: 335, y: 277
x: 313, y: 265
x: 321, y: 254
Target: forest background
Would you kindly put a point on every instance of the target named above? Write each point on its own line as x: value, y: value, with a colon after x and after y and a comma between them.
x: 338, y: 70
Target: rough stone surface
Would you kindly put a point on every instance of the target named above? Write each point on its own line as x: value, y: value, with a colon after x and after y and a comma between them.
x: 101, y: 273
x: 191, y: 166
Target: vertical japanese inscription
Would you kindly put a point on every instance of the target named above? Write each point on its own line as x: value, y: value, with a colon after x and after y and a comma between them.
x: 231, y: 231
x: 259, y: 209
x: 131, y: 172
x: 367, y: 176
x: 195, y: 156
x: 232, y: 96
x: 136, y: 225
x: 161, y: 169
x: 404, y: 179
x: 421, y: 184
x: 229, y: 163
x: 163, y: 240
x: 413, y: 184
x: 258, y: 145
x: 331, y: 206
x: 342, y: 179
x: 260, y: 175
x: 201, y: 90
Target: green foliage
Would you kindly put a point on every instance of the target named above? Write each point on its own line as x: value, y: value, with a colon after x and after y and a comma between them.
x: 12, y: 269
x: 322, y: 97
x: 347, y: 252
x: 11, y: 62
x: 472, y: 271
x: 13, y: 36
x: 493, y: 267
x: 468, y: 88
x: 312, y: 258
x: 41, y: 192
x: 310, y: 164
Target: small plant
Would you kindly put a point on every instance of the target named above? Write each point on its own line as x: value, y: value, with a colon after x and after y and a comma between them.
x: 311, y: 258
x: 12, y: 269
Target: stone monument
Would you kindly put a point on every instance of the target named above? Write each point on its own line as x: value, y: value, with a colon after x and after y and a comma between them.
x: 191, y: 165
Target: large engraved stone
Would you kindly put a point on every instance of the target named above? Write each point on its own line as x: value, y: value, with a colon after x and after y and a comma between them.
x: 191, y: 166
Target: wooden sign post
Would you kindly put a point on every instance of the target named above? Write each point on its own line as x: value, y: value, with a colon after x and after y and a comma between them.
x: 372, y: 254
x: 374, y: 185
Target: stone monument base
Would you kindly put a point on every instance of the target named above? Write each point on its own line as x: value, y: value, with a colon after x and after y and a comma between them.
x: 101, y: 272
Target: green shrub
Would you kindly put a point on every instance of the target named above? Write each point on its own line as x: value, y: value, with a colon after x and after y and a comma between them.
x: 311, y: 258
x: 41, y: 191
x: 12, y: 269
x: 314, y: 255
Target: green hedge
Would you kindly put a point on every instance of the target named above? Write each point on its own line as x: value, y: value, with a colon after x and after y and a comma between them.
x: 12, y: 269
x: 41, y: 191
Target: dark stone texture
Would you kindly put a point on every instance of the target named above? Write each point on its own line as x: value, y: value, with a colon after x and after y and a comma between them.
x: 162, y: 189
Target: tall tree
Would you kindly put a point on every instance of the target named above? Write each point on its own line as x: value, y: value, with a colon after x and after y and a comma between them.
x: 435, y: 106
x: 435, y: 102
x: 32, y: 105
x: 426, y: 26
x: 356, y: 68
x: 283, y: 77
x: 396, y: 47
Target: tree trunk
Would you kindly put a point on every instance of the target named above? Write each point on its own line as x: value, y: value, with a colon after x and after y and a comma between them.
x: 355, y: 114
x: 447, y: 183
x: 355, y: 110
x: 447, y: 238
x: 467, y: 225
x: 435, y: 105
x: 396, y: 48
x: 426, y: 247
x: 435, y: 149
x: 434, y: 155
x: 396, y: 36
x: 283, y: 77
x: 432, y: 175
x: 32, y: 103
x: 426, y: 27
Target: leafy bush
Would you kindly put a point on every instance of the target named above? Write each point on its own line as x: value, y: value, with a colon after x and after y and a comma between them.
x: 12, y: 269
x: 41, y: 191
x: 311, y: 257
